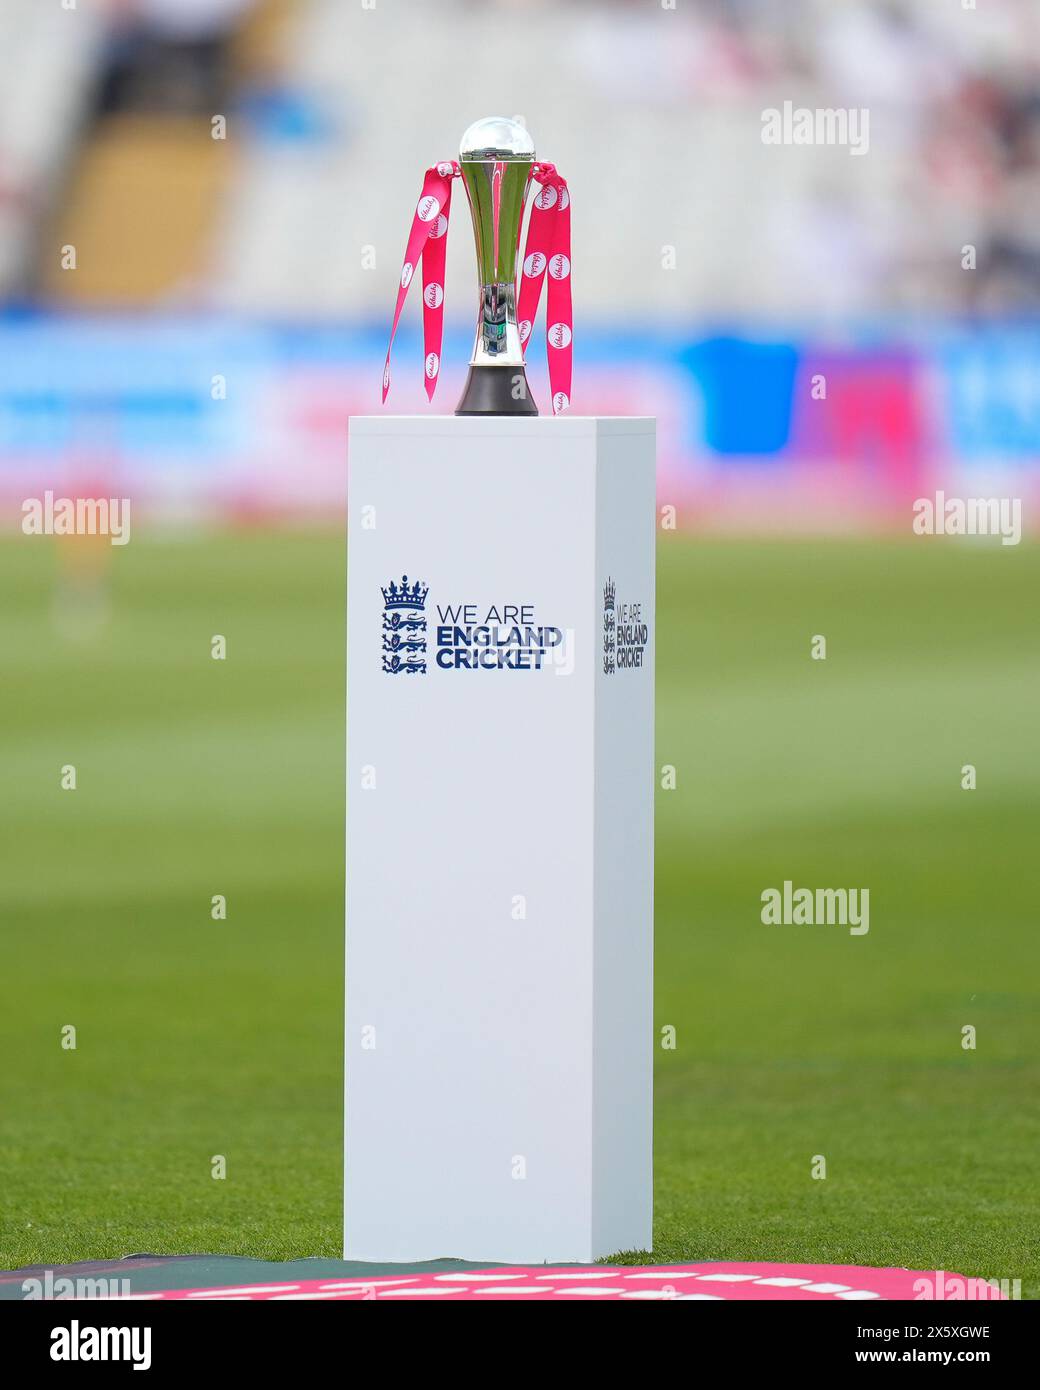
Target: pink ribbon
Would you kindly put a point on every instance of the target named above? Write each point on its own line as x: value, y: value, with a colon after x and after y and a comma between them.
x: 427, y: 239
x: 548, y: 250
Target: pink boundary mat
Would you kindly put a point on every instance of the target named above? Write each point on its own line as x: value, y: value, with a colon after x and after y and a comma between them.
x: 709, y: 1282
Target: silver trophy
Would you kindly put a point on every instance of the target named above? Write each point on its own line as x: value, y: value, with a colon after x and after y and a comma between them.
x: 496, y: 156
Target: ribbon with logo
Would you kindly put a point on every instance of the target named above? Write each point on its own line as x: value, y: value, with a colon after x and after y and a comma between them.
x: 548, y: 250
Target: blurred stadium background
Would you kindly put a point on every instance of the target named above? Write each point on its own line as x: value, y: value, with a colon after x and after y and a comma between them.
x: 225, y: 317
x: 243, y: 258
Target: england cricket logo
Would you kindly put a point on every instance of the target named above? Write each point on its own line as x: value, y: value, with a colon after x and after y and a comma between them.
x: 404, y: 627
x: 626, y: 632
x: 608, y: 628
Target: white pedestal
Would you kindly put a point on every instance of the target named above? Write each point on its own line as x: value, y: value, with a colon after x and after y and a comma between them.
x: 500, y: 787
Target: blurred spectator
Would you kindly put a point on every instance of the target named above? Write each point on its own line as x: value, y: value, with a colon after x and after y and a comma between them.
x: 170, y: 55
x: 655, y: 113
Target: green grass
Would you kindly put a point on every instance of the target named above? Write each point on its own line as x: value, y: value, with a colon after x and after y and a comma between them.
x: 197, y: 777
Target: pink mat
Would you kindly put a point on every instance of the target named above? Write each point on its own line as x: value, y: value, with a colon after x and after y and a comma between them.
x: 701, y: 1282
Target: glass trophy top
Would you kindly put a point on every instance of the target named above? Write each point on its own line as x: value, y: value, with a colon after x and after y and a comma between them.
x: 497, y: 138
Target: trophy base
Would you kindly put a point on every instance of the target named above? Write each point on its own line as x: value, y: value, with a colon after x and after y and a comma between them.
x: 495, y: 391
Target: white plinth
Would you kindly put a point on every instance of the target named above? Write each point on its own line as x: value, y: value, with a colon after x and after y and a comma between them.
x: 499, y: 839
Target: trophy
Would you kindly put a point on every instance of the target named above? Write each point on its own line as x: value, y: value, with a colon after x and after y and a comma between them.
x: 512, y: 548
x: 496, y: 156
x: 497, y: 166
